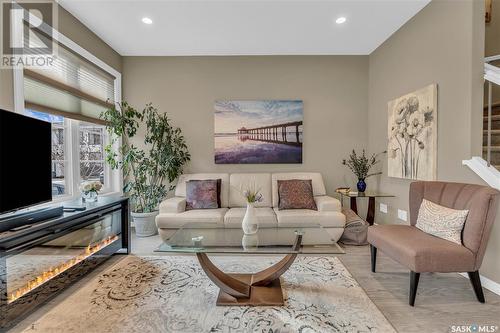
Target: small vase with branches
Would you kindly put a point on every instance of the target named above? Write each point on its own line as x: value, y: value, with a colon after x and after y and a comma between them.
x: 360, y: 165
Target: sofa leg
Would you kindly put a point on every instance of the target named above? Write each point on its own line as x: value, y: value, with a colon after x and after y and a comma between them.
x: 373, y: 252
x: 414, y: 277
x: 476, y: 284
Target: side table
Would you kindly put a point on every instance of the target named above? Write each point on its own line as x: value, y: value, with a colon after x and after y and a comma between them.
x: 370, y: 214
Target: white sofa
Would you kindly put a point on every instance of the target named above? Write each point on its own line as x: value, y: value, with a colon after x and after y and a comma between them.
x: 173, y: 214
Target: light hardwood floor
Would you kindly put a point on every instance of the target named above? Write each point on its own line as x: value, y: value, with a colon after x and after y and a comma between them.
x: 443, y: 300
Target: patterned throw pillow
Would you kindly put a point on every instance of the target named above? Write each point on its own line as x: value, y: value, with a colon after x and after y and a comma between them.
x: 440, y: 221
x: 296, y: 194
x: 203, y: 194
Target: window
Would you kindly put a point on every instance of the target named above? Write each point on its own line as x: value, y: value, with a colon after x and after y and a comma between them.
x: 92, y: 139
x: 71, y: 94
x: 59, y: 158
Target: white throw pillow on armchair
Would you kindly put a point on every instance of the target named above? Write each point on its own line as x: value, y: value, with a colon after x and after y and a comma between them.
x: 440, y: 221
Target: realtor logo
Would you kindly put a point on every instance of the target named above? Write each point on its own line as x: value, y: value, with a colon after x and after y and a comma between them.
x: 27, y: 34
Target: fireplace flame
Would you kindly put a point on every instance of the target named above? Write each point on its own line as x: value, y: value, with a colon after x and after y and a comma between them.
x: 54, y: 271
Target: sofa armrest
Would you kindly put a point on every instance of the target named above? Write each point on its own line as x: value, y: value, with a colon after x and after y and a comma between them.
x: 327, y: 204
x: 173, y: 205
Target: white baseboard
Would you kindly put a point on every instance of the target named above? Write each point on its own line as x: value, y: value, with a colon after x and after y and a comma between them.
x: 487, y: 283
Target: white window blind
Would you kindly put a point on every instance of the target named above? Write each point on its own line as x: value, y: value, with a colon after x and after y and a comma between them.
x: 72, y: 87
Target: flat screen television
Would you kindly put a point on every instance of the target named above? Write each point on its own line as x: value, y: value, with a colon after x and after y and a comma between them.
x: 25, y: 161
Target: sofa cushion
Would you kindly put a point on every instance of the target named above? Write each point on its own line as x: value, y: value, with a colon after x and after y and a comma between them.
x: 211, y: 217
x: 265, y: 216
x: 180, y: 189
x: 296, y: 194
x: 315, y: 177
x: 441, y: 221
x: 419, y: 251
x: 240, y: 181
x: 203, y: 194
x: 327, y: 204
x: 304, y: 217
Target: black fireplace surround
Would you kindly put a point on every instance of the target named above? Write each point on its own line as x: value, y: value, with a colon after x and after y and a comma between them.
x: 39, y: 260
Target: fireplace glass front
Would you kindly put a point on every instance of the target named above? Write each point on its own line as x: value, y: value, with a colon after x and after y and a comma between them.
x: 29, y: 269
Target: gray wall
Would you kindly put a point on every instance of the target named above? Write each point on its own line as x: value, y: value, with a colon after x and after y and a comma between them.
x: 334, y: 90
x: 441, y: 44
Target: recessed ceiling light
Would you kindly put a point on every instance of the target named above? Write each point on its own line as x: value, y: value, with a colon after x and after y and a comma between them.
x: 147, y: 20
x: 340, y: 20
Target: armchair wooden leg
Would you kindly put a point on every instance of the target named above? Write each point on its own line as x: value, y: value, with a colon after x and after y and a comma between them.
x: 476, y: 284
x: 373, y: 251
x: 414, y: 277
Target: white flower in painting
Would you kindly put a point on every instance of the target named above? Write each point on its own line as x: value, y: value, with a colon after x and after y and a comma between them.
x: 416, y: 123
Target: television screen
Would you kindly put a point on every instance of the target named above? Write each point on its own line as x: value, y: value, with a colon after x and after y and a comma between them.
x: 25, y: 161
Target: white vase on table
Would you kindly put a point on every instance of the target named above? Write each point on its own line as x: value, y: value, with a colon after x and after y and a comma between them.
x: 250, y: 223
x: 250, y: 242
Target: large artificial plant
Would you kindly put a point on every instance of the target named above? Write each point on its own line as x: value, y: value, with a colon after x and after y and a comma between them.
x: 145, y: 170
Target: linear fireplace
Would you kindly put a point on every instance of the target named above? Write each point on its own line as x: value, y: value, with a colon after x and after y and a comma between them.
x: 39, y: 261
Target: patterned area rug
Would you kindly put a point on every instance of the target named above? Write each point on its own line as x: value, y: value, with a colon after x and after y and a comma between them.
x: 173, y: 294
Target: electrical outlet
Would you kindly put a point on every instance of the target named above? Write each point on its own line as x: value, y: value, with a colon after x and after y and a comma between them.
x: 402, y: 215
x: 383, y: 208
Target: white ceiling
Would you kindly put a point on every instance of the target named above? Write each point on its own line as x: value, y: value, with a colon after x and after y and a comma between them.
x: 243, y: 27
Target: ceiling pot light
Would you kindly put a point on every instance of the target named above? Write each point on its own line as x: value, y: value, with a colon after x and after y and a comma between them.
x: 340, y: 20
x: 147, y: 20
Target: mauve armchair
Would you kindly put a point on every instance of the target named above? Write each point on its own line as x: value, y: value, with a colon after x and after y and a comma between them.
x: 421, y: 252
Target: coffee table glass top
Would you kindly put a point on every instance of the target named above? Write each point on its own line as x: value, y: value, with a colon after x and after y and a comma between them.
x: 200, y: 239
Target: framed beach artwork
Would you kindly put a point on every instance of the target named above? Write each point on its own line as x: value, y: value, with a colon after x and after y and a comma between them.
x: 412, y: 134
x: 257, y: 132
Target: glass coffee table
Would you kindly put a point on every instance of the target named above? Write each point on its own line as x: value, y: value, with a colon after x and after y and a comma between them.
x: 261, y: 288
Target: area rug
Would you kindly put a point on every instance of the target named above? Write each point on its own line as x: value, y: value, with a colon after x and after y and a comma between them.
x: 173, y: 294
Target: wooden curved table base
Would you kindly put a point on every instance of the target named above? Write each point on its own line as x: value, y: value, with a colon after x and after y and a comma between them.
x: 262, y: 288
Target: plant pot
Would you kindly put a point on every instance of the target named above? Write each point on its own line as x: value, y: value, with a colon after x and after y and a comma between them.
x: 250, y: 223
x: 145, y: 225
x: 361, y: 185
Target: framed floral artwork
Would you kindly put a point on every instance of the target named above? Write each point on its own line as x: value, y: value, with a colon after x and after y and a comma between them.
x: 412, y: 134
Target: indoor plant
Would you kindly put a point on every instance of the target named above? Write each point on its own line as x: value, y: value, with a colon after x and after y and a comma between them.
x: 145, y: 170
x: 250, y: 223
x: 360, y: 166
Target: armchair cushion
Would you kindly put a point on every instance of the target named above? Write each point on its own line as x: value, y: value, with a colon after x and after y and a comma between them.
x: 419, y: 251
x: 327, y: 204
x: 173, y: 205
x: 441, y: 221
